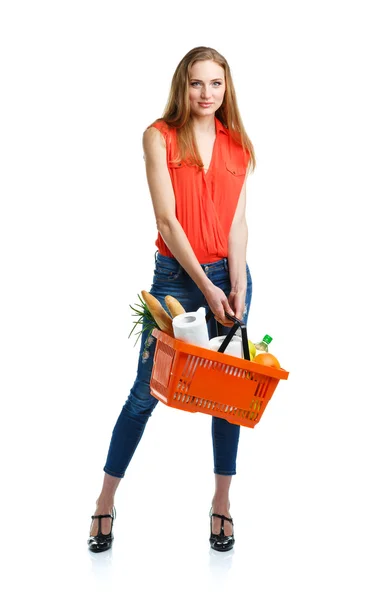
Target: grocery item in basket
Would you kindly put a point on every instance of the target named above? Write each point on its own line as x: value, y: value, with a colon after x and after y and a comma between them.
x: 252, y: 347
x: 234, y: 347
x: 191, y: 327
x: 144, y: 319
x: 175, y: 308
x: 267, y: 359
x: 160, y: 315
x: 263, y: 346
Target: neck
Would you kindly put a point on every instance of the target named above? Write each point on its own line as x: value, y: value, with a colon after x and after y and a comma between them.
x: 203, y: 124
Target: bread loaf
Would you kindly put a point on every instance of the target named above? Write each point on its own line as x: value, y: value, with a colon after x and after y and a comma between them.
x: 160, y: 315
x: 175, y: 308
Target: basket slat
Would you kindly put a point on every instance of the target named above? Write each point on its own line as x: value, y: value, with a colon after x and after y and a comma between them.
x: 162, y: 368
x: 242, y: 390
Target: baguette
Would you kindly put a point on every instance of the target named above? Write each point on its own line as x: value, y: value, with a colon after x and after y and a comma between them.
x: 160, y: 315
x: 175, y: 308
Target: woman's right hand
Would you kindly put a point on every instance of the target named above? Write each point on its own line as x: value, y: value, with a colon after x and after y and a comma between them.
x: 219, y: 304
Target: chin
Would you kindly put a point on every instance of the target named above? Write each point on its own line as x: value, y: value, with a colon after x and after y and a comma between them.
x: 205, y: 111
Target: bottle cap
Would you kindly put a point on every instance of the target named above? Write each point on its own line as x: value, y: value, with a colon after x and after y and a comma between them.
x: 267, y: 339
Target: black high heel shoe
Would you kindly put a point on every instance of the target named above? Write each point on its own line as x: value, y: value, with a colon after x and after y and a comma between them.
x: 220, y: 541
x: 102, y: 541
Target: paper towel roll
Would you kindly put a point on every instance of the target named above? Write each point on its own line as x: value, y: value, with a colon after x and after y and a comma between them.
x: 191, y: 327
x: 234, y: 348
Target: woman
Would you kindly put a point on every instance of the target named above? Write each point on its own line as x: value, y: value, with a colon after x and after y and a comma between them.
x: 197, y: 157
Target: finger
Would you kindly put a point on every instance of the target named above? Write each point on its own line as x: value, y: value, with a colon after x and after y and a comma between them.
x: 223, y: 320
x: 228, y: 324
x: 220, y: 317
x: 219, y: 313
x: 227, y: 308
x: 225, y: 323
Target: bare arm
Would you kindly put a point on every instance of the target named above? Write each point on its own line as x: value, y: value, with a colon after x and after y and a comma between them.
x: 237, y: 255
x: 170, y: 229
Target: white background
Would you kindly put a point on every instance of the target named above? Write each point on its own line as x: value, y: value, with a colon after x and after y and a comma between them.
x: 81, y: 80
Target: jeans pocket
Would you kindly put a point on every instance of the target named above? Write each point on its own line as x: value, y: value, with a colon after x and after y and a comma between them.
x: 164, y: 273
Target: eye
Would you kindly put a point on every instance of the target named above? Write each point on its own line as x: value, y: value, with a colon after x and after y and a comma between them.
x: 196, y: 83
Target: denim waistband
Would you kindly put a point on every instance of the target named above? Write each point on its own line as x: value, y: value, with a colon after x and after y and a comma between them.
x: 207, y: 267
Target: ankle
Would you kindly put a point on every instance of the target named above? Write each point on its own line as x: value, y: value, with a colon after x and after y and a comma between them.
x: 104, y: 503
x: 220, y: 504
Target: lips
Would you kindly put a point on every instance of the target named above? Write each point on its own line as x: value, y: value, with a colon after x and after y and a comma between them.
x: 205, y: 104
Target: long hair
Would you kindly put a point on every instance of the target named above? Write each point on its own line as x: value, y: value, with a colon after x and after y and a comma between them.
x: 177, y: 110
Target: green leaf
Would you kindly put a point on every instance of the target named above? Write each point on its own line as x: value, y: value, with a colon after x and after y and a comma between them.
x: 143, y: 316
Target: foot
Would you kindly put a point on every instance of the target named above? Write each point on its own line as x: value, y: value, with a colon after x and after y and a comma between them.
x: 102, y: 509
x: 221, y: 509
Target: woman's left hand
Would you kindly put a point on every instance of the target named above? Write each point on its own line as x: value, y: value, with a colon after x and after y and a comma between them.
x: 237, y: 302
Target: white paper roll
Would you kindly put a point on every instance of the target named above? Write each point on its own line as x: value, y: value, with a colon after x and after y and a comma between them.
x: 234, y: 347
x: 192, y: 328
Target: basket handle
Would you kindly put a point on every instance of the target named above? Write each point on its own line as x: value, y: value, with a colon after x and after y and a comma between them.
x: 234, y: 328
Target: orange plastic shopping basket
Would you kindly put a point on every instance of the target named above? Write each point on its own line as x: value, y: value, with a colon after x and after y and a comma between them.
x: 196, y: 379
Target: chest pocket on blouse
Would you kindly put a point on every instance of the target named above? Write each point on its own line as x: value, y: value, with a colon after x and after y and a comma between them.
x: 174, y: 165
x: 234, y: 169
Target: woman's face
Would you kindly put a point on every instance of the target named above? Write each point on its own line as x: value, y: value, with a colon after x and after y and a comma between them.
x: 206, y: 87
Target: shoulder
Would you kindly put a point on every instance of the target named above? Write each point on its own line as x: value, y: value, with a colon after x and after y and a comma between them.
x: 157, y: 132
x: 155, y: 142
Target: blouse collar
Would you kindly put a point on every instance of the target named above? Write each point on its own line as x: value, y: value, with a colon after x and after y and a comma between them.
x: 219, y: 126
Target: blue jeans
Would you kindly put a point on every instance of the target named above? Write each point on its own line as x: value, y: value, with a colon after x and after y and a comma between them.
x: 170, y: 278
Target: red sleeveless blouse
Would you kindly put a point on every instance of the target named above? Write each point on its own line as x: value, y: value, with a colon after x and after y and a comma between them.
x: 205, y: 202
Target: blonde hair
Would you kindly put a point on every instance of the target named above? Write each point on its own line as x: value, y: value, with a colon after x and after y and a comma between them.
x: 177, y: 110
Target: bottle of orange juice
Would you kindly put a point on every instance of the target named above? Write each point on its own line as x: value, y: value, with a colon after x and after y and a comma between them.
x: 263, y: 346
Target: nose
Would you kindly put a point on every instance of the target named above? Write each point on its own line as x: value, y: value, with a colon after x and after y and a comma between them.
x: 205, y: 94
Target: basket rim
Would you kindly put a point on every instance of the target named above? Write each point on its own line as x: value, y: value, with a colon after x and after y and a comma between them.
x: 221, y: 357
